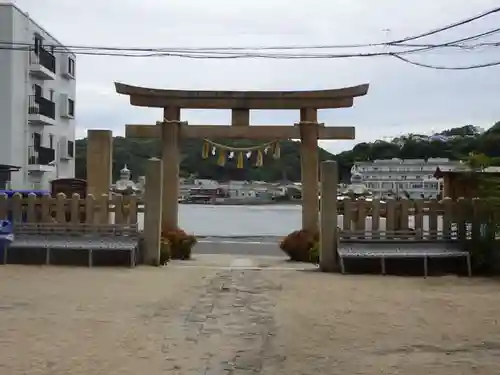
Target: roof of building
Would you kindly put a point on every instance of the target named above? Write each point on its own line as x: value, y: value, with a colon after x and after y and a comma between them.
x: 26, y: 14
x: 397, y: 161
x: 9, y: 168
x: 440, y: 173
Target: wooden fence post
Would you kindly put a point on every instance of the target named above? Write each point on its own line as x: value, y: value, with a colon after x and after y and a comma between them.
x: 328, y: 217
x: 90, y: 209
x: 31, y: 216
x: 118, y: 203
x: 61, y: 208
x: 390, y: 217
x: 347, y: 217
x: 152, y: 216
x: 461, y: 219
x: 17, y: 208
x: 75, y: 209
x: 447, y: 217
x: 132, y: 209
x: 104, y: 209
x: 4, y: 206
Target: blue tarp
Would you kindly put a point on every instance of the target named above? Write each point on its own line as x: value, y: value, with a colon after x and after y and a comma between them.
x: 10, y: 193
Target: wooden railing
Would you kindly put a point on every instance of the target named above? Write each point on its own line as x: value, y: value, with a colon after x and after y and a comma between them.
x: 118, y: 209
x: 448, y: 217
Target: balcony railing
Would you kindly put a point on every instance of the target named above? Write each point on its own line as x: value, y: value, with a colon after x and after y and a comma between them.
x: 40, y: 155
x: 46, y: 59
x: 38, y: 105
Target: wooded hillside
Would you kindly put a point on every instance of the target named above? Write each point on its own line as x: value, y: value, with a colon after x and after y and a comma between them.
x: 454, y: 143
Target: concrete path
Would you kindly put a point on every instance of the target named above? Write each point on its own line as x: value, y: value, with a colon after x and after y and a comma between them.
x: 242, y: 262
x: 248, y: 247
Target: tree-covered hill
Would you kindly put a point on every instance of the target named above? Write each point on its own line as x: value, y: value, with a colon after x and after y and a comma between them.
x: 134, y: 153
x: 454, y: 143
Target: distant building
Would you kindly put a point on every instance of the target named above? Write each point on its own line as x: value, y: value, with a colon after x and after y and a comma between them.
x: 398, y: 177
x: 190, y: 185
x: 250, y: 189
x: 37, y: 106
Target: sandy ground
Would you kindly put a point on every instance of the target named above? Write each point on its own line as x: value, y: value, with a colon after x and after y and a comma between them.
x: 219, y: 321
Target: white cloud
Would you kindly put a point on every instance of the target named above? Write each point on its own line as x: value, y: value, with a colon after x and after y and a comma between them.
x: 402, y: 98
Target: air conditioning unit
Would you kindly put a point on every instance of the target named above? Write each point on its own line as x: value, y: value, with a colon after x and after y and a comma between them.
x: 65, y: 107
x: 64, y: 153
x: 67, y: 66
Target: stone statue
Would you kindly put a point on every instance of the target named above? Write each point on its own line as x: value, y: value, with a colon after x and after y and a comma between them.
x: 357, y: 186
x: 141, y: 183
x: 125, y: 185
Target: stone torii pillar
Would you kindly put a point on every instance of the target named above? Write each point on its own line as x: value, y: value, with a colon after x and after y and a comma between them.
x: 170, y: 155
x: 309, y: 159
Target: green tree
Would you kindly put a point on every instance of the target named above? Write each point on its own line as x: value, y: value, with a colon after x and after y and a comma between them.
x: 461, y: 141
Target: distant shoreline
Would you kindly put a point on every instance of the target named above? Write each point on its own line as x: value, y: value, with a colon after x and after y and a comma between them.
x: 243, y: 203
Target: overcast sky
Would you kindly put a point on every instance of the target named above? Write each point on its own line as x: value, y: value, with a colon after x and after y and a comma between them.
x: 402, y: 98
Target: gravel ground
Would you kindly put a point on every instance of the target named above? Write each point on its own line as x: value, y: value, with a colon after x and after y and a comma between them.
x: 215, y: 321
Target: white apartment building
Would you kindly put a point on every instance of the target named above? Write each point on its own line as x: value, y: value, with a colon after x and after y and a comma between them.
x: 398, y: 177
x: 37, y: 104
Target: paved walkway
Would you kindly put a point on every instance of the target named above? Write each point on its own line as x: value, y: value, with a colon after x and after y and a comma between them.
x: 241, y: 247
x: 239, y: 316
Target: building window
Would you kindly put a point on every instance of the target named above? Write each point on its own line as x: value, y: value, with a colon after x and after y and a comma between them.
x: 71, y: 107
x: 37, y: 90
x: 38, y: 43
x: 51, y: 141
x: 71, y: 148
x: 71, y: 66
x: 51, y: 95
x: 37, y: 140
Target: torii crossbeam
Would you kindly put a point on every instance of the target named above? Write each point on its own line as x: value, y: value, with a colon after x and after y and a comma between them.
x: 308, y: 130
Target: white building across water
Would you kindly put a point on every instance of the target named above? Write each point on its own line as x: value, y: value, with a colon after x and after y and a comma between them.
x: 398, y: 177
x: 37, y: 104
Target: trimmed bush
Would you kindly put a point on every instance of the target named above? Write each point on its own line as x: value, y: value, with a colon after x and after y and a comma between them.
x: 298, y: 244
x: 180, y: 243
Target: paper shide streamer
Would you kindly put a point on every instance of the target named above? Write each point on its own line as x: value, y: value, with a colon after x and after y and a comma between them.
x: 224, y: 152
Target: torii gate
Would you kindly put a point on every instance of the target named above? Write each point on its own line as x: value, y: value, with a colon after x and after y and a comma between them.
x: 308, y: 130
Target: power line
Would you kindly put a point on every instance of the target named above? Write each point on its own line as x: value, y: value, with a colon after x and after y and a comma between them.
x: 448, y: 27
x: 186, y: 53
x: 420, y: 48
x: 232, y: 52
x: 438, y: 67
x: 393, y: 43
x: 283, y: 57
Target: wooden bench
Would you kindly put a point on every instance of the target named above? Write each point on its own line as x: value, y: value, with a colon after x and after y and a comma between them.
x: 399, y: 245
x: 76, y: 237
